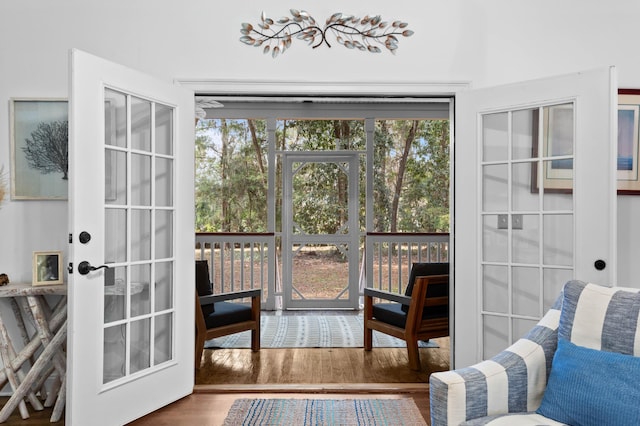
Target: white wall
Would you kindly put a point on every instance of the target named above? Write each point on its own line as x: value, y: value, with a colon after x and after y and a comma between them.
x: 485, y: 42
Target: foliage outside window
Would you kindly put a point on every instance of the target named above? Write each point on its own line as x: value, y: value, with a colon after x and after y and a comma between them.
x: 411, y: 174
x: 231, y: 176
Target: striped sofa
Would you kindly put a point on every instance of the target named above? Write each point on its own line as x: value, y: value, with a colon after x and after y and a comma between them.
x: 508, y: 389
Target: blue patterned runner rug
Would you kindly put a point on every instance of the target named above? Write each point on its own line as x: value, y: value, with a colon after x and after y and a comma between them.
x: 316, y: 412
x: 310, y: 331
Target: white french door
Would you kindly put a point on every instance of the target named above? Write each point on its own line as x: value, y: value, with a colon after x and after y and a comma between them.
x: 306, y: 286
x: 535, y: 202
x: 131, y: 292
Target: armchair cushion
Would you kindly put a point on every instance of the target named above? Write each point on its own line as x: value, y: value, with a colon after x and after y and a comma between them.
x: 203, y: 285
x: 424, y: 269
x: 391, y: 313
x: 227, y: 313
x: 588, y: 386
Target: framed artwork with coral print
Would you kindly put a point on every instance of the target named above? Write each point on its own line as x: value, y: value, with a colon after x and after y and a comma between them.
x: 39, y: 148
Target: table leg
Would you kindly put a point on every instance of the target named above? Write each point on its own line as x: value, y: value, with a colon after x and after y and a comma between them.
x: 9, y: 372
x: 59, y: 360
x: 45, y: 357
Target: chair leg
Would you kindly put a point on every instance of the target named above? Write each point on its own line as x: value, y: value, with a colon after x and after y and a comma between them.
x: 368, y: 315
x: 199, y: 349
x: 368, y: 338
x: 255, y: 340
x: 413, y: 355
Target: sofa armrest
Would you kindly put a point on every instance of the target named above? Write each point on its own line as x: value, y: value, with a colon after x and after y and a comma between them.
x: 512, y: 381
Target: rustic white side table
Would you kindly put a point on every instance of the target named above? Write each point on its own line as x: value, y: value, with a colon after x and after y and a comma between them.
x: 30, y: 306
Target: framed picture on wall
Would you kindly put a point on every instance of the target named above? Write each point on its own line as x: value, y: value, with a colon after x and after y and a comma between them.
x: 39, y: 149
x: 47, y: 268
x: 628, y: 115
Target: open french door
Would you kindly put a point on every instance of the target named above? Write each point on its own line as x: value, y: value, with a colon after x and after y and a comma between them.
x: 535, y: 202
x: 131, y: 292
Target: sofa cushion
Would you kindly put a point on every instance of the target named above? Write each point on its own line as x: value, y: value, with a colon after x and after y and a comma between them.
x: 592, y: 387
x: 603, y: 318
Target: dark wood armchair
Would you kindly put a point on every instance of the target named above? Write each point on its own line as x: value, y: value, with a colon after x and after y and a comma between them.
x: 421, y: 314
x: 216, y: 316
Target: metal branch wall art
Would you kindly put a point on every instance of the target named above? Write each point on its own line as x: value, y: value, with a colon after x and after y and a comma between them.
x: 366, y: 34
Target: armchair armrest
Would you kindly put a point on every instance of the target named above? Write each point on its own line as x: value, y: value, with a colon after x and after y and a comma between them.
x: 386, y: 295
x: 512, y: 381
x: 204, y: 300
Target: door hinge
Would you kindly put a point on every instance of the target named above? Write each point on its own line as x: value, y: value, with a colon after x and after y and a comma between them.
x: 70, y: 268
x: 70, y: 238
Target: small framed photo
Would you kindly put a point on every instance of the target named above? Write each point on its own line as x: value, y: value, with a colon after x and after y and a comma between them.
x: 47, y: 268
x: 39, y: 149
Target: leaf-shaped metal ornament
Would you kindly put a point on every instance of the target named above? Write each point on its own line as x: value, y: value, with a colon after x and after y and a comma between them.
x: 365, y: 34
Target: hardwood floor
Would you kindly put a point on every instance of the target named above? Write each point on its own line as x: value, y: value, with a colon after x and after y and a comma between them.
x: 228, y: 374
x: 319, y: 365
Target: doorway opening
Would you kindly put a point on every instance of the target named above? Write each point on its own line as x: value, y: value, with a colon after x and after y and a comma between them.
x: 313, y: 201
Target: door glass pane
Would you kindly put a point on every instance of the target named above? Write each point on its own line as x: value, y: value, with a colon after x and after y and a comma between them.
x: 495, y: 335
x: 524, y: 191
x: 114, y: 293
x: 495, y: 246
x: 521, y: 327
x: 140, y: 180
x: 495, y: 293
x: 558, y: 239
x: 164, y: 182
x: 164, y: 129
x: 495, y: 191
x: 140, y: 124
x: 526, y: 240
x: 115, y: 177
x: 164, y: 286
x: 139, y: 294
x: 114, y: 353
x: 163, y: 332
x: 115, y: 118
x: 164, y: 234
x: 495, y: 136
x: 524, y: 128
x: 140, y: 344
x: 553, y: 281
x: 140, y: 235
x: 526, y: 291
x: 115, y: 235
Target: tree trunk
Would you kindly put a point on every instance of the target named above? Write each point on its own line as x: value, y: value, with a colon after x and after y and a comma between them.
x: 400, y: 177
x: 257, y: 147
x: 224, y: 166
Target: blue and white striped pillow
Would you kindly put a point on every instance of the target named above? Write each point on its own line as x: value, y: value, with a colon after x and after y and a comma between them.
x: 602, y: 318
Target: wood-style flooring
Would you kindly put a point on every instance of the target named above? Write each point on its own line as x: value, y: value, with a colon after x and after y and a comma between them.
x: 228, y: 374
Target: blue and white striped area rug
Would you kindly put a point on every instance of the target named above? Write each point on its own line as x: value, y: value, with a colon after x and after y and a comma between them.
x: 310, y: 331
x: 316, y: 412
